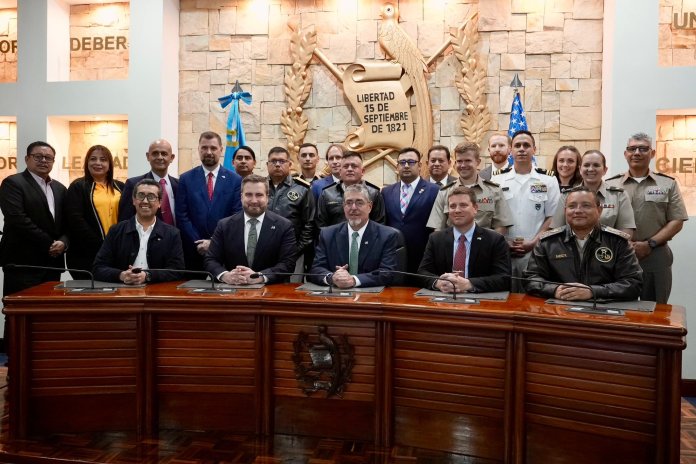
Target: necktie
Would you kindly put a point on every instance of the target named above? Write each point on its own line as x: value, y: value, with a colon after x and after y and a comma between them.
x: 210, y: 186
x: 354, y: 253
x: 251, y: 241
x: 460, y: 256
x: 166, y: 206
x: 404, y: 197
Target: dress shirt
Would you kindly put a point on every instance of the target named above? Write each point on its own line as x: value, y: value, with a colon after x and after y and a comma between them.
x: 411, y: 189
x: 48, y: 191
x: 469, y: 234
x: 144, y: 235
x: 170, y: 192
x: 247, y: 228
x: 360, y: 232
x: 215, y: 172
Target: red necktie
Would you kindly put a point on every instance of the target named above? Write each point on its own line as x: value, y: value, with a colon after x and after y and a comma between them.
x: 166, y: 206
x: 210, y: 186
x: 460, y: 256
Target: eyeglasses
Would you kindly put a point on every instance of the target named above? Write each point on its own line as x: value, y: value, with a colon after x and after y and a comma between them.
x: 356, y: 203
x: 38, y: 157
x: 638, y: 148
x: 407, y: 162
x: 278, y: 161
x: 150, y: 197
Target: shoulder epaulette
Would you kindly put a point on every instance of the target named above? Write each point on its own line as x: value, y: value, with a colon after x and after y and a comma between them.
x: 370, y: 184
x: 551, y: 232
x: 497, y: 172
x: 548, y: 173
x: 613, y: 188
x: 664, y: 175
x: 618, y: 176
x: 618, y: 232
x: 542, y: 171
x: 302, y: 182
x: 446, y: 186
x: 490, y: 182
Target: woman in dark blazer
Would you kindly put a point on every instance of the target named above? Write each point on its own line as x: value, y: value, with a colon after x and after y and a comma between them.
x: 91, y: 208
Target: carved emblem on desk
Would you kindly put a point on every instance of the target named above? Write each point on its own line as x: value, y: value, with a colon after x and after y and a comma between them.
x: 322, y: 362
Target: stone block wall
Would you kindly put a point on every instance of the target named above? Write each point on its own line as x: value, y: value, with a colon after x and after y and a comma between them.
x: 554, y: 46
x: 84, y: 134
x: 675, y: 154
x: 8, y: 149
x: 676, y: 47
x: 8, y: 50
x: 96, y: 41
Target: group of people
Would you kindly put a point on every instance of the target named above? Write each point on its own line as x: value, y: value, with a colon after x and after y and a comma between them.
x: 508, y: 226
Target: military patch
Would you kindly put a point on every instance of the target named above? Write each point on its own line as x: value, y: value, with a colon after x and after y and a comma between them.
x: 603, y: 254
x: 538, y: 188
x: 486, y: 200
x: 551, y: 232
x: 293, y: 195
x: 560, y: 256
x: 656, y: 191
x: 608, y: 206
x: 538, y: 206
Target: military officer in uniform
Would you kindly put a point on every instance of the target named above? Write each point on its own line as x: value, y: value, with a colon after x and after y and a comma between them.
x: 660, y: 214
x: 586, y: 254
x: 617, y: 211
x: 330, y: 204
x: 533, y: 197
x: 291, y: 198
x: 493, y: 211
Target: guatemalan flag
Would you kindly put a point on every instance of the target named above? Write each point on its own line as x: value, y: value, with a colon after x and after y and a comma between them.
x: 235, y: 131
x: 518, y: 120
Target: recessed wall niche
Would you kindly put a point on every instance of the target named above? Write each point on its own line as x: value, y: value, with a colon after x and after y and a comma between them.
x: 675, y: 153
x: 8, y: 45
x: 113, y: 134
x: 8, y: 148
x: 99, y: 41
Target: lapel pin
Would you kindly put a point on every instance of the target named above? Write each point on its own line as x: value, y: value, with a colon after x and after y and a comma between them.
x: 421, y: 190
x: 365, y: 243
x: 272, y: 227
x: 478, y: 238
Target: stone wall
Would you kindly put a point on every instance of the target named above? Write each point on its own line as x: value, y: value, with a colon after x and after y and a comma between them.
x: 677, y: 47
x: 96, y: 47
x: 8, y: 149
x: 555, y: 46
x: 676, y: 154
x: 8, y: 38
x: 84, y: 134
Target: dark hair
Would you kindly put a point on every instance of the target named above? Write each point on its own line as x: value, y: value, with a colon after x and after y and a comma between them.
x: 467, y: 146
x: 352, y: 154
x: 524, y: 132
x: 582, y: 189
x: 39, y: 143
x: 576, y: 179
x: 109, y: 172
x: 151, y: 182
x: 244, y: 147
x: 210, y: 135
x: 278, y: 150
x: 408, y: 150
x: 308, y: 144
x: 461, y: 190
x: 440, y: 147
x: 254, y: 179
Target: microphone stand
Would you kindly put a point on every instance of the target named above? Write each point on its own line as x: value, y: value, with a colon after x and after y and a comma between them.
x: 211, y: 289
x: 455, y: 298
x: 328, y: 293
x: 91, y: 289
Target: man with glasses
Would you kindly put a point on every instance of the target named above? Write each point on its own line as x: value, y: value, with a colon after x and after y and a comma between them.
x: 408, y: 203
x: 349, y: 253
x: 660, y: 214
x: 330, y: 204
x: 492, y: 212
x: 291, y: 198
x: 140, y: 243
x: 160, y: 156
x: 597, y: 260
x: 35, y: 233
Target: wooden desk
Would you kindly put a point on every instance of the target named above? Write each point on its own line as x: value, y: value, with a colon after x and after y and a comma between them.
x: 519, y: 381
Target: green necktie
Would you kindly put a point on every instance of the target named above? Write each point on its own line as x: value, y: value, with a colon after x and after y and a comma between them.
x: 251, y: 242
x: 354, y: 252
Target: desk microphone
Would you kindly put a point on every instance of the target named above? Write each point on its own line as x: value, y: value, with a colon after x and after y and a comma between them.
x: 212, y: 289
x: 453, y: 299
x: 329, y: 292
x: 594, y: 296
x: 90, y: 289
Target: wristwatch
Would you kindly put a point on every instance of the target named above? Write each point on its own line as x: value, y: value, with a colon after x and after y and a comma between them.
x: 148, y: 276
x: 652, y: 244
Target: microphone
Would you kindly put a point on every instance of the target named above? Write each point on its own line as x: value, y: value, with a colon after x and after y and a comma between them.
x: 438, y: 299
x: 329, y: 292
x: 594, y: 309
x: 212, y: 289
x: 90, y: 289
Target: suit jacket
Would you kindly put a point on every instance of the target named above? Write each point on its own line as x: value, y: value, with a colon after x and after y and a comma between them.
x: 412, y: 224
x: 489, y: 259
x: 30, y: 229
x: 121, y: 247
x: 321, y: 184
x: 276, y: 249
x: 196, y: 215
x: 126, y: 210
x: 377, y: 252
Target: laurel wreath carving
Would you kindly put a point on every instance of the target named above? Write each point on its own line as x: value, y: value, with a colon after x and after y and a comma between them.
x: 298, y: 84
x: 471, y: 82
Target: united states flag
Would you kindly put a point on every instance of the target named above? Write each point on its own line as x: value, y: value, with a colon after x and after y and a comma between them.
x: 518, y: 120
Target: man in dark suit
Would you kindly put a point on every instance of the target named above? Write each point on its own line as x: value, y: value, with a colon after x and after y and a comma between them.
x: 32, y: 204
x: 160, y: 156
x: 439, y: 164
x: 334, y: 156
x: 470, y: 258
x: 122, y: 253
x: 348, y: 253
x: 206, y: 194
x: 408, y: 204
x: 254, y: 241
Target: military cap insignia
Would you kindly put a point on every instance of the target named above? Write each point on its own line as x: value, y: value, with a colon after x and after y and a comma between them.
x: 293, y: 195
